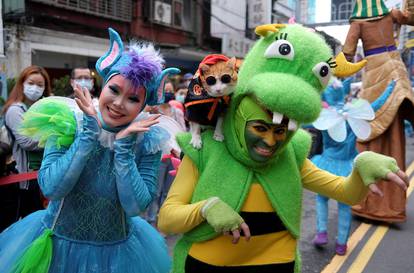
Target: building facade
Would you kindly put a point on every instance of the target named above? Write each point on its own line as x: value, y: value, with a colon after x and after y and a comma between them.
x: 62, y: 34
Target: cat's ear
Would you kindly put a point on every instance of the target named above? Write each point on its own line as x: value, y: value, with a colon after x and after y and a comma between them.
x: 204, y: 68
x: 232, y: 63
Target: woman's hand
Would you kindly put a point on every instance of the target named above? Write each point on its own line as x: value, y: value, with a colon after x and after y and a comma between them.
x: 84, y: 100
x: 138, y: 126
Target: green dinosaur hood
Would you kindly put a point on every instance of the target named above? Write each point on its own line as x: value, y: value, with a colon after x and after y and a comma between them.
x: 290, y: 84
x: 285, y: 72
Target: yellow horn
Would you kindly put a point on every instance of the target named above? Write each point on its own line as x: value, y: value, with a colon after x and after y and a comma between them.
x: 264, y: 29
x: 344, y: 68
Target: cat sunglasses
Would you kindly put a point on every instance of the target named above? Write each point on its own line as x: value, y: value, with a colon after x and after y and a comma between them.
x: 211, y: 80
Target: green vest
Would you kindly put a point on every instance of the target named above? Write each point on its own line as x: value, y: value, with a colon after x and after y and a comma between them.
x: 223, y: 176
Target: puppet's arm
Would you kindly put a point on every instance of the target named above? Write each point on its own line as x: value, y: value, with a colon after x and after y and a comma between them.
x: 402, y: 17
x: 136, y: 179
x: 61, y: 167
x: 351, y: 41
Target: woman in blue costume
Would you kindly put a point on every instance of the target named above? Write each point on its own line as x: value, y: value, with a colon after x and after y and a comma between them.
x: 98, y: 179
x: 339, y: 150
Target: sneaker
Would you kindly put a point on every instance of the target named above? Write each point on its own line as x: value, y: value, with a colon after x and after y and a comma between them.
x: 321, y: 238
x: 340, y: 249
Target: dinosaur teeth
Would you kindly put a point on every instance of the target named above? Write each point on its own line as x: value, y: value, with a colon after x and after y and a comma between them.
x: 292, y: 125
x: 277, y: 118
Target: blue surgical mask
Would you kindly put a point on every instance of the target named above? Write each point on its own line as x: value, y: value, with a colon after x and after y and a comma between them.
x: 32, y: 91
x: 180, y: 98
x: 84, y: 83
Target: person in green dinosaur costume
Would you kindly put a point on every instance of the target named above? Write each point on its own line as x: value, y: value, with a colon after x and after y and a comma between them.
x: 251, y: 184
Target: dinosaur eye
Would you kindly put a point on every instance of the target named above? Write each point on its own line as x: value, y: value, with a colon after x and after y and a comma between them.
x: 281, y: 49
x: 323, y: 72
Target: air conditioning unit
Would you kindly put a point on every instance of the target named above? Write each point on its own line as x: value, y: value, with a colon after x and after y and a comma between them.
x: 162, y: 12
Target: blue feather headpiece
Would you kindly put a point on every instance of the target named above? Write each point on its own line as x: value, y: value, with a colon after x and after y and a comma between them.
x: 141, y: 63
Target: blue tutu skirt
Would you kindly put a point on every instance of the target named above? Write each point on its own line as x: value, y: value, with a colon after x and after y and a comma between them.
x: 144, y: 251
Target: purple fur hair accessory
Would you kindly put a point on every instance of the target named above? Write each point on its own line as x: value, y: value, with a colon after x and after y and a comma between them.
x: 144, y: 64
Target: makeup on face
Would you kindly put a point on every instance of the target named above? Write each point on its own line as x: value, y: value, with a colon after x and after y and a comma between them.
x: 264, y: 139
x: 120, y: 102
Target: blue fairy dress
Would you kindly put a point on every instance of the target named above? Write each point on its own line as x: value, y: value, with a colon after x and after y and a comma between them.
x: 96, y: 186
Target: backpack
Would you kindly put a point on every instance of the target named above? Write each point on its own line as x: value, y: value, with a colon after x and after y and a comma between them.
x: 7, y: 164
x: 5, y: 136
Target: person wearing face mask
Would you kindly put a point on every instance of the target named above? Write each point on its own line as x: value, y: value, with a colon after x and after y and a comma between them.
x: 83, y: 77
x: 181, y: 92
x: 24, y: 198
x: 99, y: 172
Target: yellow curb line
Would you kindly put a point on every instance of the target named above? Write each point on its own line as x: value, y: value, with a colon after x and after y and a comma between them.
x: 366, y: 253
x: 410, y: 188
x: 410, y: 169
x: 368, y: 250
x: 337, y: 261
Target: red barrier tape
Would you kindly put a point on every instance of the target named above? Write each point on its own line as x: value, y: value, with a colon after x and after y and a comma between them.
x: 15, y: 178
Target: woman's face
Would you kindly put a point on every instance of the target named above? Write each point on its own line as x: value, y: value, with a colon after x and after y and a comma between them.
x: 33, y: 87
x: 263, y: 139
x: 119, y: 102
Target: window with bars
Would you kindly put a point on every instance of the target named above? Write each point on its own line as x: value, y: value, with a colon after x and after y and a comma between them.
x: 114, y: 9
x: 345, y: 10
x: 334, y: 17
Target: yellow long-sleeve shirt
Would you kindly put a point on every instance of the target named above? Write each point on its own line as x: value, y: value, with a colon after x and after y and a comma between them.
x: 177, y: 215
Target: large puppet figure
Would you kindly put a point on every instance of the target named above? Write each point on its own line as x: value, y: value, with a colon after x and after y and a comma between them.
x: 99, y: 170
x: 251, y: 183
x: 374, y: 24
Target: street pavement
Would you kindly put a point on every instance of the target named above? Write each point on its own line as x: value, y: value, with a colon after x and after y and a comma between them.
x: 394, y: 252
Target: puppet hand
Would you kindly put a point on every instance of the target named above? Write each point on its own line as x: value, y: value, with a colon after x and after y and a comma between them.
x: 138, y: 126
x: 221, y: 216
x: 372, y: 167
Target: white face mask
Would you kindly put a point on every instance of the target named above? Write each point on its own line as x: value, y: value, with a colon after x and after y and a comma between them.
x: 32, y: 91
x: 88, y: 84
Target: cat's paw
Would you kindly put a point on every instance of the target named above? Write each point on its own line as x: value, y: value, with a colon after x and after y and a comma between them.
x: 196, y: 142
x: 218, y: 136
